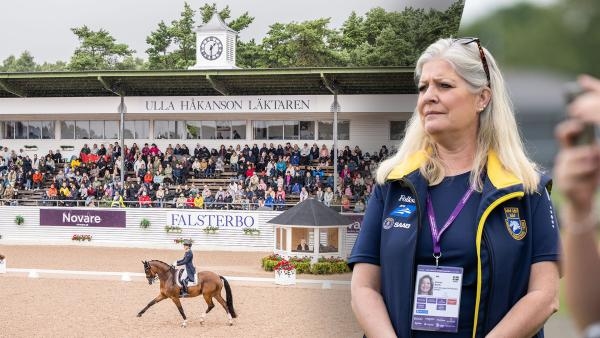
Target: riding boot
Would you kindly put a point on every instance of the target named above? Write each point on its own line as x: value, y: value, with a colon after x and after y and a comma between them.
x: 184, y: 288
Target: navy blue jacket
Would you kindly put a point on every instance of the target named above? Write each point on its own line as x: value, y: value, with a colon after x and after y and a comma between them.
x: 512, y: 234
x: 189, y: 266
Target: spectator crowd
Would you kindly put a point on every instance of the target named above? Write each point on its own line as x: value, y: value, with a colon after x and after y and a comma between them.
x: 266, y: 177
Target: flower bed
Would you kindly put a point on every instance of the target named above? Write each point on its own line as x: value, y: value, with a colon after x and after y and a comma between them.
x: 81, y: 238
x: 303, y: 265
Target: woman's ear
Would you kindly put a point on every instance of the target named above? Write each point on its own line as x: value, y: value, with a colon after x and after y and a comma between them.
x: 483, y: 99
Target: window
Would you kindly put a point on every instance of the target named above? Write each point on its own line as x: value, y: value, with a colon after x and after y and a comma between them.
x: 67, y: 129
x: 397, y: 130
x: 284, y: 130
x: 239, y: 128
x: 326, y: 130
x: 82, y: 130
x: 112, y: 129
x: 193, y: 130
x: 307, y: 130
x: 27, y: 130
x: 223, y: 129
x: 136, y: 129
x: 168, y: 129
x: 209, y: 129
x: 97, y: 129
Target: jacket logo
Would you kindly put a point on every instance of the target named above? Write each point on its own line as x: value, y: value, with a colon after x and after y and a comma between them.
x: 390, y: 222
x: 404, y: 210
x: 516, y: 227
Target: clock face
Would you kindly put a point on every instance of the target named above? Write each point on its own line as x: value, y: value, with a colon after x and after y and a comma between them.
x: 211, y: 48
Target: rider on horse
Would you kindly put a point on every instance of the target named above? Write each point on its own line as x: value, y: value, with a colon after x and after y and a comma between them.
x: 187, y: 260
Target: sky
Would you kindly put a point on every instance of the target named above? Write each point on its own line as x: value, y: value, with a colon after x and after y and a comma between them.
x: 44, y: 27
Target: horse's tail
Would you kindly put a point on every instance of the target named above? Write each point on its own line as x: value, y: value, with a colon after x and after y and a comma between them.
x: 228, y: 297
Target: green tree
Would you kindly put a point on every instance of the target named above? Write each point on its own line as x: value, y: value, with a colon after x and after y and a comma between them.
x: 25, y: 63
x: 98, y: 50
x: 158, y: 55
x: 307, y: 44
x: 563, y: 37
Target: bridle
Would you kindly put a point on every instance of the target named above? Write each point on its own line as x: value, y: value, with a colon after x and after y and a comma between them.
x: 149, y: 274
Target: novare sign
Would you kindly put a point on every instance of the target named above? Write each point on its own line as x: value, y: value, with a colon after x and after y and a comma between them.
x: 83, y: 218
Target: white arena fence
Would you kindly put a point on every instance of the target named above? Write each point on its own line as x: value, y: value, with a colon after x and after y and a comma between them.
x: 120, y: 227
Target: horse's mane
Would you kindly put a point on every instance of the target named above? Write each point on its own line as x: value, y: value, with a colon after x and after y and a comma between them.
x: 161, y: 262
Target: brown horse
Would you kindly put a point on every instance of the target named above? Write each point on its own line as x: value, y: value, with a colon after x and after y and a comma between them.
x: 209, y: 286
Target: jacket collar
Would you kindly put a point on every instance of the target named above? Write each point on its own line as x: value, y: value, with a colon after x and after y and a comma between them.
x: 499, y: 176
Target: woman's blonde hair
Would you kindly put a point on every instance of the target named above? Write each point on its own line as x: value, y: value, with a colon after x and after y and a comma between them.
x: 497, y: 125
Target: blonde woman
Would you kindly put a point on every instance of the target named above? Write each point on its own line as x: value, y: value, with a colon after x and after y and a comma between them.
x: 461, y: 200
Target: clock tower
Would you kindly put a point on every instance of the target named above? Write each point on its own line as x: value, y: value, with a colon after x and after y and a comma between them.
x: 215, y: 45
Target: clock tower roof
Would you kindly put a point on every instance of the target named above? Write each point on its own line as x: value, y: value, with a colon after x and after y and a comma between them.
x: 215, y: 24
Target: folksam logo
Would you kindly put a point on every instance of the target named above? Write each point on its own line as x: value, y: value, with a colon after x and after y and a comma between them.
x: 404, y: 210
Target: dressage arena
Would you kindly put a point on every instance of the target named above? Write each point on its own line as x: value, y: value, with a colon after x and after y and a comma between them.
x: 94, y: 305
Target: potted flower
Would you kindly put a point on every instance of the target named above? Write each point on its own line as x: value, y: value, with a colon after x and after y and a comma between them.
x: 210, y: 229
x: 144, y: 223
x: 181, y: 240
x: 19, y: 220
x: 67, y: 147
x: 285, y: 273
x: 251, y: 231
x: 81, y: 238
x: 172, y: 228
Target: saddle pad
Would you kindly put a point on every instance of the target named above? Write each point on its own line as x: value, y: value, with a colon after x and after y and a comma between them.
x: 182, y: 274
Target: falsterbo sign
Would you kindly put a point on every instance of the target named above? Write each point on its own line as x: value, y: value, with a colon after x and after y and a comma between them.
x: 206, y: 219
x: 82, y: 218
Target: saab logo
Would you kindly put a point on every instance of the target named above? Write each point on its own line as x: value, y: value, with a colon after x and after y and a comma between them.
x: 388, y: 223
x: 406, y: 199
x: 516, y: 227
x: 404, y: 210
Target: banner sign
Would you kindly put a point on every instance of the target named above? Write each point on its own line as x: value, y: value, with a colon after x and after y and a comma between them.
x: 354, y: 228
x: 83, y: 218
x: 200, y: 219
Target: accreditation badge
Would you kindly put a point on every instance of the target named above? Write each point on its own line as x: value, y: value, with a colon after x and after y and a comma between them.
x: 437, y: 298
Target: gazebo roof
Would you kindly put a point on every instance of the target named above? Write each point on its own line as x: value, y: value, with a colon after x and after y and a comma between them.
x: 311, y: 212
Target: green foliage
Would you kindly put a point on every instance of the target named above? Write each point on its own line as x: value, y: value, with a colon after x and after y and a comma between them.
x: 19, y: 220
x: 303, y: 264
x: 321, y: 268
x: 98, y: 51
x: 144, y: 223
x: 563, y: 36
x: 251, y: 231
x: 210, y: 229
x: 173, y: 228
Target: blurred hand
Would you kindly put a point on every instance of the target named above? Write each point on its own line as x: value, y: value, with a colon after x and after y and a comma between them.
x: 586, y: 107
x: 576, y: 170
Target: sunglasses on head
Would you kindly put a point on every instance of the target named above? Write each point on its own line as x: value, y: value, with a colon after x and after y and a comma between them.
x: 468, y: 40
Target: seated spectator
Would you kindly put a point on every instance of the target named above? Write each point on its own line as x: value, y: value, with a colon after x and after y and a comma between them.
x: 117, y: 200
x: 345, y: 203
x: 328, y: 196
x: 198, y: 201
x: 160, y: 196
x: 189, y: 202
x: 303, y: 194
x: 38, y: 180
x: 144, y: 200
x: 359, y: 206
x: 180, y: 201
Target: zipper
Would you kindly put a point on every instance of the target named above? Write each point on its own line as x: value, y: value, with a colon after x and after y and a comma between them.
x: 413, y: 191
x: 479, y: 235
